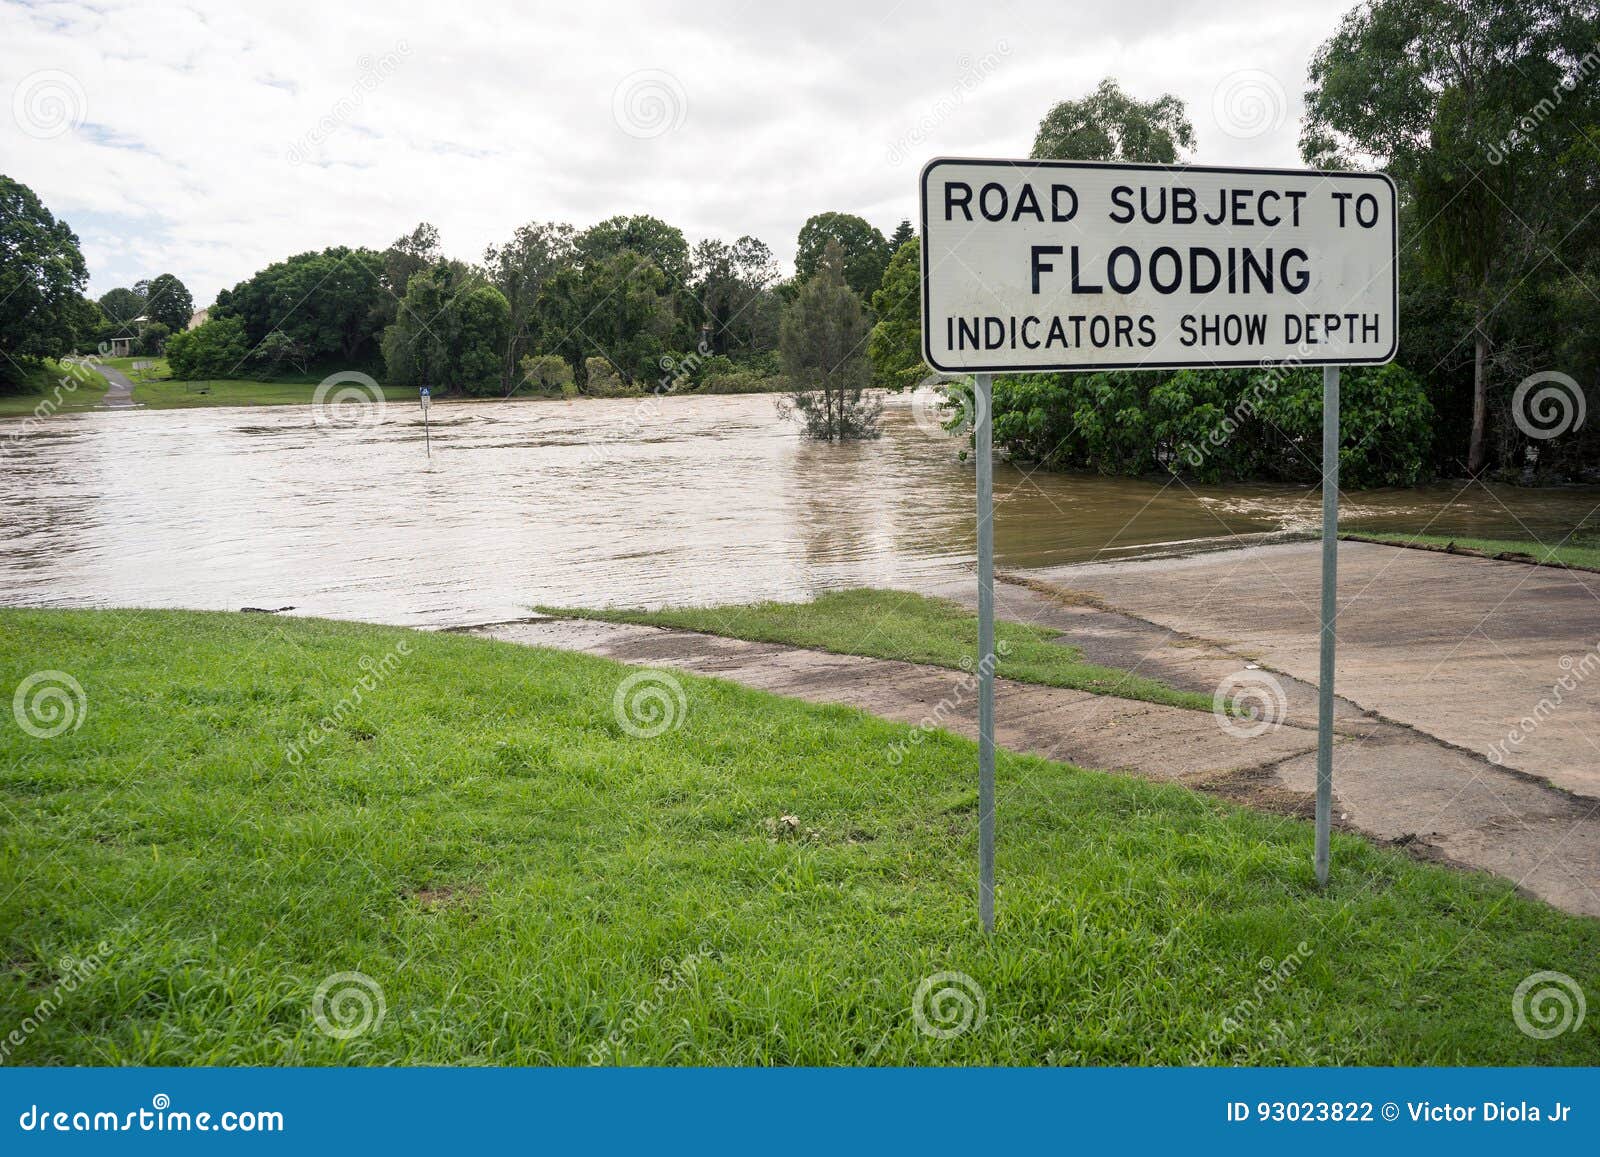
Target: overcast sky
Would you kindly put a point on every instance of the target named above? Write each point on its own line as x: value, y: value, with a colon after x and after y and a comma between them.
x: 208, y: 140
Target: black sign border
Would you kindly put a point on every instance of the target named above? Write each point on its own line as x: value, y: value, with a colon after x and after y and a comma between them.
x: 1394, y: 231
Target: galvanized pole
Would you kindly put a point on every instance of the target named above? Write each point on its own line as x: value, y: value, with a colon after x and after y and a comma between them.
x: 982, y: 440
x: 1330, y: 585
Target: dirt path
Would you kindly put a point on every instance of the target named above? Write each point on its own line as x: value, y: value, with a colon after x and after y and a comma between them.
x: 119, y: 394
x: 1393, y: 782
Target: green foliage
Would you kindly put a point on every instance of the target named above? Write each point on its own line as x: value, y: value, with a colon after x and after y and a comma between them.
x: 1485, y: 113
x: 215, y: 348
x: 1110, y: 125
x: 649, y: 237
x: 278, y: 350
x: 601, y: 380
x: 621, y: 305
x: 823, y: 344
x: 43, y: 313
x: 328, y: 302
x: 476, y: 833
x: 153, y: 337
x: 866, y: 252
x: 122, y: 305
x: 167, y: 301
x: 895, y: 344
x: 1218, y: 425
x: 909, y: 628
x: 520, y: 270
x: 549, y: 374
x: 449, y: 333
x: 732, y: 295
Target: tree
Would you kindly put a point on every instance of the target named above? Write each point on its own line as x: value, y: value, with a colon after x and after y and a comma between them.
x: 1474, y: 107
x: 620, y: 308
x: 732, y: 294
x: 823, y: 342
x: 121, y: 306
x: 327, y: 302
x: 895, y: 345
x: 43, y: 312
x: 1110, y: 125
x: 903, y: 232
x: 278, y: 349
x: 168, y: 302
x: 520, y: 269
x: 865, y: 251
x: 213, y: 349
x: 449, y: 332
x: 408, y: 255
x: 650, y: 237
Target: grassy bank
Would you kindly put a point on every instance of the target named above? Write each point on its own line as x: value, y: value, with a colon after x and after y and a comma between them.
x: 887, y: 624
x: 52, y: 387
x: 1579, y: 554
x: 523, y: 879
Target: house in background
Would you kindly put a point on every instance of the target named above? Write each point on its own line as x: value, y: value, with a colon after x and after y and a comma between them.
x: 198, y: 317
x: 122, y: 347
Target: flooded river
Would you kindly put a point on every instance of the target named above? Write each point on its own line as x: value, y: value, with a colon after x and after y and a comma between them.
x: 621, y: 502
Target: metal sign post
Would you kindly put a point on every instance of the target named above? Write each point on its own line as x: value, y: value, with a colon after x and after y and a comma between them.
x: 1330, y: 611
x: 983, y: 447
x: 1062, y: 266
x: 426, y: 398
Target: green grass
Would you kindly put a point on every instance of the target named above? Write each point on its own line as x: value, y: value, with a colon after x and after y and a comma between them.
x: 1571, y: 554
x: 50, y: 388
x: 887, y: 624
x: 522, y: 877
x: 166, y: 394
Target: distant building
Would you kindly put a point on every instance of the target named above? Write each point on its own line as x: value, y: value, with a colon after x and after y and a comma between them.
x: 122, y: 347
x: 197, y: 318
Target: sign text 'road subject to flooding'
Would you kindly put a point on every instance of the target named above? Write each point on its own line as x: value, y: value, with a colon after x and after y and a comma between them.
x: 1060, y: 265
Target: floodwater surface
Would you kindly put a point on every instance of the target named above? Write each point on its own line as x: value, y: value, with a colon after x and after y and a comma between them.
x: 592, y: 502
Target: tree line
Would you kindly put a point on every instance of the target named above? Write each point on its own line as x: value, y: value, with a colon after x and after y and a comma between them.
x: 1485, y: 112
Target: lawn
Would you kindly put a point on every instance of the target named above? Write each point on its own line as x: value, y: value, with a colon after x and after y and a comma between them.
x: 523, y: 879
x: 51, y: 388
x: 1577, y: 554
x: 887, y: 624
x: 163, y: 394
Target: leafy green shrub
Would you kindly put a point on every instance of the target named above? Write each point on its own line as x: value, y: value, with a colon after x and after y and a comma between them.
x: 1218, y: 425
x: 603, y: 381
x: 549, y: 374
x: 213, y: 349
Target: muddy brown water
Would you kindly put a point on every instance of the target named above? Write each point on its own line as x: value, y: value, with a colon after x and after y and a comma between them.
x: 676, y: 500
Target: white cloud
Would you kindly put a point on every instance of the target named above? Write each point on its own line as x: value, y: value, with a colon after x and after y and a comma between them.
x: 496, y: 114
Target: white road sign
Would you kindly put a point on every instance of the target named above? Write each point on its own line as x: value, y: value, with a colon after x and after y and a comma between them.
x: 1066, y: 265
